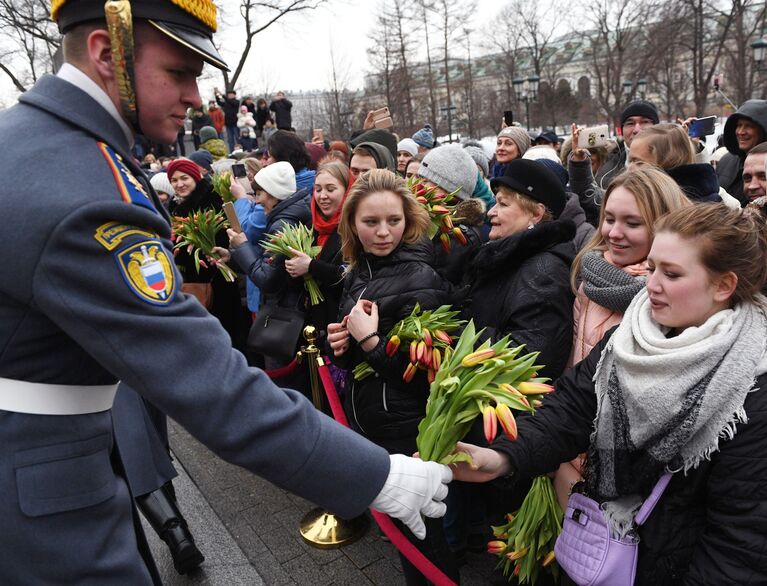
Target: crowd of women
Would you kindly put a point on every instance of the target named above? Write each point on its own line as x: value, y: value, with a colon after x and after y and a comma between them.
x: 643, y: 298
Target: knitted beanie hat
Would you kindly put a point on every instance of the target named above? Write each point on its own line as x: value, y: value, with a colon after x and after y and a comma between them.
x: 541, y: 151
x: 424, y: 137
x: 535, y: 181
x: 207, y: 133
x: 519, y: 136
x: 450, y: 167
x: 203, y: 158
x: 408, y: 145
x: 480, y: 158
x: 185, y: 166
x: 558, y: 169
x: 160, y: 182
x: 640, y: 108
x: 277, y: 179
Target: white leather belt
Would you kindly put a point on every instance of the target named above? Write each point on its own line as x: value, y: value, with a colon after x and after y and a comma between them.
x: 43, y: 399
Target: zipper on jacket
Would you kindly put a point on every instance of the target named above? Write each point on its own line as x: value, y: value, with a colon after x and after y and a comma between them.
x: 354, y: 410
x: 386, y: 408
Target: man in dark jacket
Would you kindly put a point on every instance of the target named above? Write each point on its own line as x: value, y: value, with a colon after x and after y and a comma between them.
x: 91, y: 297
x: 637, y: 115
x: 231, y: 106
x: 743, y: 131
x: 281, y: 107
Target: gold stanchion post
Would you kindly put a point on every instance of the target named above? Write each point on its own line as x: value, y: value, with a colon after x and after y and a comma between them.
x: 320, y: 528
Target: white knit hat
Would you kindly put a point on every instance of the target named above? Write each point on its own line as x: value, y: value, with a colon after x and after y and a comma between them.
x: 535, y: 153
x: 160, y: 183
x: 408, y: 145
x: 277, y: 179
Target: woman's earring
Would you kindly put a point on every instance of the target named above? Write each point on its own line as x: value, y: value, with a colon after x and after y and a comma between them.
x: 530, y: 226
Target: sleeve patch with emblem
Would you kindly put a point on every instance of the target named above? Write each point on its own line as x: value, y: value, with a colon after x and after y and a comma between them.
x: 131, y: 190
x: 148, y: 270
x: 111, y: 234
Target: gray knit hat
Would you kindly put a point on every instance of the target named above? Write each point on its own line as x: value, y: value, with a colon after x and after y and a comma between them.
x: 519, y: 136
x: 207, y: 133
x: 450, y: 167
x: 480, y: 158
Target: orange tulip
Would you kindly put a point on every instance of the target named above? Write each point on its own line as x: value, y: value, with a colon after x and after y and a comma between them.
x: 495, y: 547
x: 490, y: 423
x: 534, y: 388
x: 507, y: 421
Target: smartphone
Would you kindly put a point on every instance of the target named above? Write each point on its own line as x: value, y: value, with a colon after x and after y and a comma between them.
x: 593, y: 136
x: 508, y: 117
x: 238, y: 170
x: 384, y: 122
x: 318, y: 134
x: 700, y: 127
x: 381, y: 113
x: 231, y: 215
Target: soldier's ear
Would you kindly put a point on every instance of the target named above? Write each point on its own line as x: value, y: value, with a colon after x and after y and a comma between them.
x: 100, y: 53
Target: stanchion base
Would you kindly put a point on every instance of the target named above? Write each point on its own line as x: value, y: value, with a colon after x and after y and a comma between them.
x: 324, y: 530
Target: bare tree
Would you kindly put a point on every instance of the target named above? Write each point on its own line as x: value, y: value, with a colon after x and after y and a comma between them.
x: 451, y: 17
x: 383, y: 56
x: 30, y: 39
x: 424, y: 6
x: 507, y: 41
x: 620, y: 48
x: 399, y: 16
x: 748, y: 22
x: 256, y: 17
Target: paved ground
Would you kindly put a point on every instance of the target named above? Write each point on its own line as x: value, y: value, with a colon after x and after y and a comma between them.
x: 248, y: 531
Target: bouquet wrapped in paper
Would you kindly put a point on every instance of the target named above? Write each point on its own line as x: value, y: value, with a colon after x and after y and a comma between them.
x: 489, y: 380
x: 525, y: 544
x: 424, y: 336
x: 441, y: 208
x: 197, y: 233
x: 300, y: 238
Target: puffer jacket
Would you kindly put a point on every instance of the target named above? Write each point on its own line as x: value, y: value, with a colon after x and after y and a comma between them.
x: 730, y: 166
x: 267, y: 271
x: 520, y: 285
x: 382, y: 406
x: 708, y: 527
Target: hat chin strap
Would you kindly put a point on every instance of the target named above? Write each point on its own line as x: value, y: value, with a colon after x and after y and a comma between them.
x: 120, y: 26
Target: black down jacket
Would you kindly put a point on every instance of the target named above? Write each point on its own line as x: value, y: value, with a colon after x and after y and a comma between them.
x: 383, y: 406
x: 520, y: 285
x: 709, y: 527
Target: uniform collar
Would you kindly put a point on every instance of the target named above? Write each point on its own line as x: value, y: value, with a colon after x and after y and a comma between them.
x: 77, y: 78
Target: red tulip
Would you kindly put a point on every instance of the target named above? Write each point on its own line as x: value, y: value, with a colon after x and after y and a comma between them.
x: 392, y: 345
x: 490, y: 423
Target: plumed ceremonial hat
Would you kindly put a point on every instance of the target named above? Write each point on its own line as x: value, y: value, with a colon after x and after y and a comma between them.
x: 188, y: 22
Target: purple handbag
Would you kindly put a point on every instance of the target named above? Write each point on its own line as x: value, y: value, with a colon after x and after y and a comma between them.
x: 586, y: 550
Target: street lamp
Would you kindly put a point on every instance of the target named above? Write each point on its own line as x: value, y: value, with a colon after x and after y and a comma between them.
x: 642, y: 87
x: 760, y: 48
x: 627, y: 87
x: 526, y: 91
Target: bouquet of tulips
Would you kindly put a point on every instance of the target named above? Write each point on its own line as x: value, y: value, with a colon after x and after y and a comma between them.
x: 491, y: 380
x: 526, y: 542
x: 222, y: 185
x: 298, y: 237
x: 197, y: 232
x: 424, y: 335
x: 441, y: 210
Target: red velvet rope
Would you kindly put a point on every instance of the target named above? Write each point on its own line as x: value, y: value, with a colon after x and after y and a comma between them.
x: 283, y: 371
x: 403, y: 545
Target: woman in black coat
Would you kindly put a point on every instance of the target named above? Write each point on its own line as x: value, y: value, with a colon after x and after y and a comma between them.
x: 194, y: 192
x: 679, y: 387
x: 391, y: 269
x: 331, y: 186
x: 520, y: 280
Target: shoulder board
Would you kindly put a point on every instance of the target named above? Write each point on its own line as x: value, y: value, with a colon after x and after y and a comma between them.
x: 130, y: 189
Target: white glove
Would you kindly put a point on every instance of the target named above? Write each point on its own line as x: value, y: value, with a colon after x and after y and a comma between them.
x: 412, y: 488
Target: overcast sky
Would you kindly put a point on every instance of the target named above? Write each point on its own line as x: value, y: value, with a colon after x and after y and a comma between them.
x: 294, y: 54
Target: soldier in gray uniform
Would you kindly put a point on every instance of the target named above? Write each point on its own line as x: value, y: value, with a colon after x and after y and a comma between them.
x: 89, y: 295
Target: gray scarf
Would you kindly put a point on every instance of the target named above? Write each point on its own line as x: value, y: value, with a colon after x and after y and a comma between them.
x: 664, y: 403
x: 608, y: 285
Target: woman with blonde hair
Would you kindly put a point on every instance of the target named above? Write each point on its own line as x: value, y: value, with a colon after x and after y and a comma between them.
x: 679, y: 389
x: 612, y: 268
x: 384, y: 241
